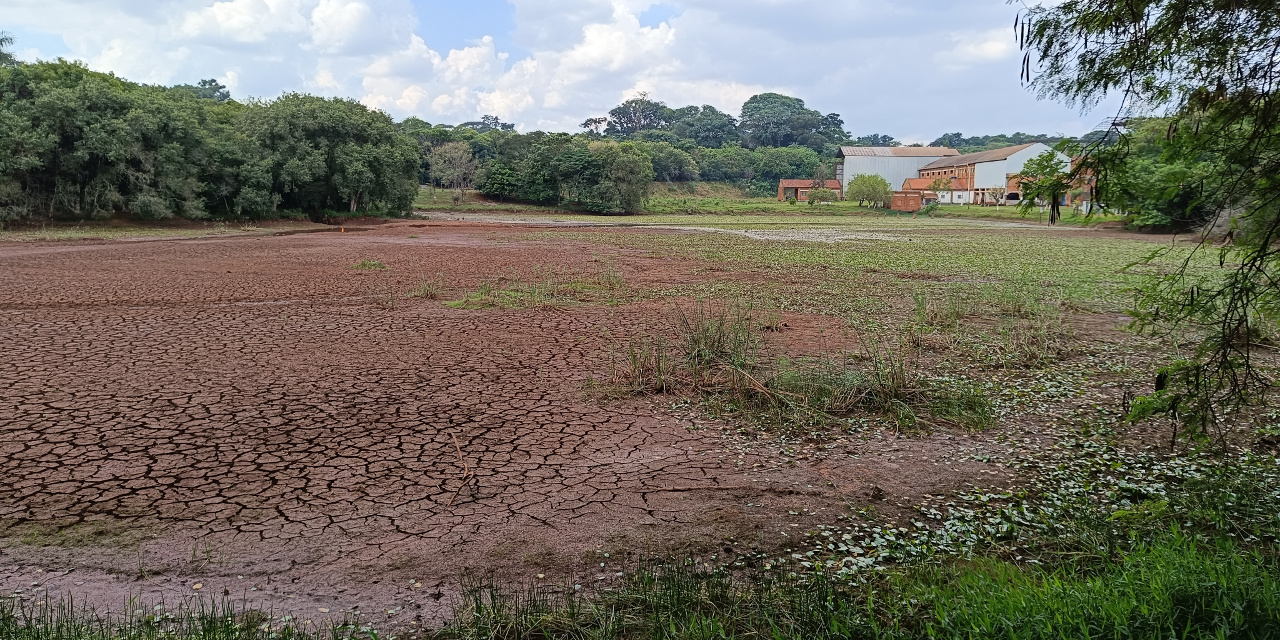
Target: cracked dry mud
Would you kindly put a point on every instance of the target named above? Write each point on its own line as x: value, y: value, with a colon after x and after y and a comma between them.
x: 242, y: 414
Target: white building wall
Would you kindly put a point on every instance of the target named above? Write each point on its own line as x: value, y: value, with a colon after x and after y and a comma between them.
x: 990, y: 175
x: 895, y: 170
x: 953, y: 197
x: 1017, y: 161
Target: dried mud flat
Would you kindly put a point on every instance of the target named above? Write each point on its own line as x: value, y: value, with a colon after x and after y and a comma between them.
x: 246, y: 415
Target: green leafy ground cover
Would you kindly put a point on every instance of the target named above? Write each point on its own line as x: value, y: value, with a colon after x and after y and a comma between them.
x: 829, y: 265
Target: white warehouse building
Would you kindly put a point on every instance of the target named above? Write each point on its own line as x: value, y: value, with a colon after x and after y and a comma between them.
x: 894, y: 164
x: 982, y: 178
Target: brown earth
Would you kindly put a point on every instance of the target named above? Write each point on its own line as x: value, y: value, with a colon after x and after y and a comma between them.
x: 247, y: 414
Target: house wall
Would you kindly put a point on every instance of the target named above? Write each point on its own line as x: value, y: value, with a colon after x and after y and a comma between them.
x: 893, y: 169
x: 990, y: 175
x: 963, y: 173
x: 1017, y: 161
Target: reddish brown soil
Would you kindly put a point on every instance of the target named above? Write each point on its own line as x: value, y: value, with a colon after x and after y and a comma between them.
x: 243, y: 414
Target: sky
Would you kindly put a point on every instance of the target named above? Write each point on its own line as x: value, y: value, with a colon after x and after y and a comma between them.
x: 913, y: 69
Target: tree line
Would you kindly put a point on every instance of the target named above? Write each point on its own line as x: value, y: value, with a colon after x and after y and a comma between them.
x: 75, y: 143
x: 79, y: 144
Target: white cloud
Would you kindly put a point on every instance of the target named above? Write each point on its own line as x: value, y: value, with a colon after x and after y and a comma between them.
x: 583, y: 56
x: 335, y: 22
x: 969, y: 49
x: 245, y: 20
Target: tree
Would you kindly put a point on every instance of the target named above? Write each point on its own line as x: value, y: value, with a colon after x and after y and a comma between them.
x: 998, y: 193
x: 331, y: 154
x: 775, y: 120
x: 628, y: 174
x: 1211, y: 67
x: 669, y: 163
x: 1157, y: 185
x: 7, y: 59
x: 1046, y: 179
x: 453, y: 166
x: 486, y: 124
x: 207, y: 90
x: 975, y: 144
x: 949, y: 140
x: 876, y: 140
x: 637, y: 114
x: 869, y: 189
x: 594, y: 125
x: 78, y: 144
x: 706, y: 126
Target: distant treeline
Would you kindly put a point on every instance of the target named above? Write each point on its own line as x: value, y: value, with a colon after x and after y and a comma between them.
x: 580, y: 170
x: 80, y: 144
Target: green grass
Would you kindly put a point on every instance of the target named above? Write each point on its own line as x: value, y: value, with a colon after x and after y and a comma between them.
x: 1174, y: 588
x: 63, y: 233
x: 551, y: 289
x: 195, y: 619
x: 369, y: 264
x: 867, y: 264
x: 720, y: 199
x: 442, y: 200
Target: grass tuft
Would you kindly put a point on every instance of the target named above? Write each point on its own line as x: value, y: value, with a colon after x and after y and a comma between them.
x: 369, y: 264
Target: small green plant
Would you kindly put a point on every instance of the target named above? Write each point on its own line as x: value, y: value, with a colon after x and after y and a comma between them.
x: 369, y: 264
x: 646, y: 368
x: 427, y: 289
x: 964, y: 404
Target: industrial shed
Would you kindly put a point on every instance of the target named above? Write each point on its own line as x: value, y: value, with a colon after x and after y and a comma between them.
x: 979, y: 173
x: 894, y: 164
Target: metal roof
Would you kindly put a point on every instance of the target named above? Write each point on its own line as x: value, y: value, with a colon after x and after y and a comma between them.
x: 899, y: 152
x: 977, y: 158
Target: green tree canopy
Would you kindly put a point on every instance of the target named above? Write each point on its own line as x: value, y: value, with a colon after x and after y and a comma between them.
x: 79, y: 144
x: 876, y: 140
x: 869, y: 189
x: 775, y: 120
x: 207, y: 90
x: 706, y: 126
x: 638, y: 114
x: 1046, y: 179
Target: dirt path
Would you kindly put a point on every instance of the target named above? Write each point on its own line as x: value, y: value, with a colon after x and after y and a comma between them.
x: 247, y: 415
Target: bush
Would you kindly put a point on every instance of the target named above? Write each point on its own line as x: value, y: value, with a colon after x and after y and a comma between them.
x: 819, y: 196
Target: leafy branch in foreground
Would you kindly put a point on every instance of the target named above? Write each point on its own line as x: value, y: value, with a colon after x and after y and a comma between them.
x: 1214, y: 68
x: 6, y: 56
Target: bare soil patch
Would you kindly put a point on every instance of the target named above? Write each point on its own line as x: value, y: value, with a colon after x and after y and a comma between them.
x: 254, y: 416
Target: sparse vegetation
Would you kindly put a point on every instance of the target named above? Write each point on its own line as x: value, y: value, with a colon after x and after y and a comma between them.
x: 370, y: 264
x: 549, y: 290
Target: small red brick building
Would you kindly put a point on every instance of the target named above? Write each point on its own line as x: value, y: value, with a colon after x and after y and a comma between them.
x: 799, y: 189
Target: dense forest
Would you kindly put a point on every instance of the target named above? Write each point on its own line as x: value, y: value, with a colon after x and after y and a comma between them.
x: 78, y: 144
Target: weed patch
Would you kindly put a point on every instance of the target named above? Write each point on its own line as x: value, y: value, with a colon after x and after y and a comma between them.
x: 721, y: 355
x: 369, y: 264
x: 550, y: 290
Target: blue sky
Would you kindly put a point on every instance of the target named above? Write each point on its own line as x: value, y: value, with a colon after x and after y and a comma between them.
x: 913, y: 69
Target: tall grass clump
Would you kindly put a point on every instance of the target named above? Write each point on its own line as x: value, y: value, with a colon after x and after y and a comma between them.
x: 196, y: 619
x: 722, y: 356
